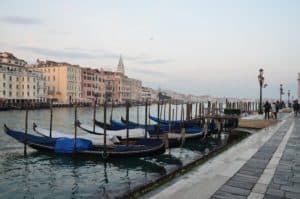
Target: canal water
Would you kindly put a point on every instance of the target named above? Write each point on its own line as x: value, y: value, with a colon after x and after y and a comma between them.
x: 40, y: 175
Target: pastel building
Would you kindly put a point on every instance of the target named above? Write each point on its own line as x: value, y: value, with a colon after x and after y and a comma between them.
x: 149, y: 94
x: 19, y: 84
x: 93, y: 85
x: 63, y: 80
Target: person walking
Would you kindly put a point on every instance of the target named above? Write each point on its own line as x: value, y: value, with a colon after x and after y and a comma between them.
x: 276, y: 109
x: 267, y: 107
x: 296, y: 107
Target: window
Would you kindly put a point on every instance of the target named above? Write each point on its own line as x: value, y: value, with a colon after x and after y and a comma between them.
x: 22, y: 86
x: 28, y: 79
x: 17, y: 94
x: 10, y: 93
x: 53, y: 78
x: 23, y: 79
x: 10, y: 86
x: 27, y: 86
x: 10, y: 78
x: 4, y: 93
x: 27, y: 93
x: 3, y: 84
x: 33, y: 79
x: 33, y: 86
x: 17, y: 78
x: 53, y: 69
x: 48, y: 78
x: 17, y: 86
x: 3, y: 76
x: 23, y: 94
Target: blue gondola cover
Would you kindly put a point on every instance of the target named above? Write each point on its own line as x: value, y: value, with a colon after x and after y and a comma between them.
x: 66, y: 145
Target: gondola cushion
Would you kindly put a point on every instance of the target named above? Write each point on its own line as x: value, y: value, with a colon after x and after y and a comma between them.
x: 67, y: 145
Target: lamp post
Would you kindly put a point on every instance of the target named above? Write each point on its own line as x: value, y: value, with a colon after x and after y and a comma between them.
x: 289, y: 93
x: 281, y: 92
x: 261, y: 83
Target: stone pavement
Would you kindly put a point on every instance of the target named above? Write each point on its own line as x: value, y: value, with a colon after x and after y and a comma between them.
x: 235, y: 172
x: 286, y: 180
x: 273, y: 171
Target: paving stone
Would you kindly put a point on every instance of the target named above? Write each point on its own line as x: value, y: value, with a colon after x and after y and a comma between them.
x: 225, y: 195
x: 241, y: 184
x: 251, y: 173
x: 235, y: 190
x: 294, y: 189
x: 267, y: 196
x: 255, y: 196
x: 275, y: 192
x: 260, y: 188
x: 245, y: 178
x: 274, y: 186
x: 291, y: 195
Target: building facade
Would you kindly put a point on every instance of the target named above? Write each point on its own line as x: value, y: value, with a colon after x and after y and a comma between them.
x: 93, y: 85
x: 63, y: 80
x: 149, y: 94
x: 18, y: 84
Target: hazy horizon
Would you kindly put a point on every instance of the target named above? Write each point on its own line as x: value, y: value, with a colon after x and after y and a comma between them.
x: 194, y: 47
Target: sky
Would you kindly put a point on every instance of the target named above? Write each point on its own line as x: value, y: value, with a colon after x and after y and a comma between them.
x: 212, y: 47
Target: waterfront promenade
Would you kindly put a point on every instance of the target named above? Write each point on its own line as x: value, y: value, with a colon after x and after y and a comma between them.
x: 265, y: 165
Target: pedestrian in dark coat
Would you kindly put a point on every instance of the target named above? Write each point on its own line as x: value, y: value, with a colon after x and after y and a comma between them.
x: 267, y: 107
x: 276, y: 109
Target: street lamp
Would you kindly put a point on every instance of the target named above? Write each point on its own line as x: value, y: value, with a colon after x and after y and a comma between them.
x: 261, y: 83
x: 289, y: 93
x: 281, y: 92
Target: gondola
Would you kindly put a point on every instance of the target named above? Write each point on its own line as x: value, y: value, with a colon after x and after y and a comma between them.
x: 174, y: 139
x: 113, y: 127
x: 84, y: 147
x: 121, y: 133
x: 185, y: 123
x: 163, y: 128
x: 96, y: 139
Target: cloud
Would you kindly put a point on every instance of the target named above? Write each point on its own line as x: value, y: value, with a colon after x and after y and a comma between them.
x: 20, y: 20
x: 149, y: 72
x: 156, y: 61
x: 59, y: 53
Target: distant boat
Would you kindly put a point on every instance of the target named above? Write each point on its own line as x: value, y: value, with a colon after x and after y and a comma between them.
x: 85, y: 147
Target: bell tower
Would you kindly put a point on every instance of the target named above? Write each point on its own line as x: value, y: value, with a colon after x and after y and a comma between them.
x: 120, y: 68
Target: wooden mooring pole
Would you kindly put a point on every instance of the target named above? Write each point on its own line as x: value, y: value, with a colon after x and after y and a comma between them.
x: 146, y: 118
x: 26, y: 129
x: 51, y: 118
x: 127, y: 122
